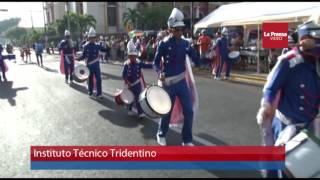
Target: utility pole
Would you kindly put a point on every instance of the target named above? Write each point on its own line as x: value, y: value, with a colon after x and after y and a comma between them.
x: 191, y: 18
x: 104, y: 15
x: 45, y: 29
x: 68, y: 19
x: 31, y: 19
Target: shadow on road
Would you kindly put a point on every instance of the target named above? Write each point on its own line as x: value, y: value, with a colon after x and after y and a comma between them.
x: 212, y: 139
x: 28, y: 63
x: 49, y: 69
x: 118, y: 116
x: 107, y: 100
x: 110, y: 76
x: 9, y: 93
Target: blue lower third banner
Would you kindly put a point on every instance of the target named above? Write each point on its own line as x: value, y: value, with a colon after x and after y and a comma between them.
x: 147, y: 165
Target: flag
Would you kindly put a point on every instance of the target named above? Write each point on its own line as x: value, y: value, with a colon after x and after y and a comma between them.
x: 62, y: 69
x: 177, y: 113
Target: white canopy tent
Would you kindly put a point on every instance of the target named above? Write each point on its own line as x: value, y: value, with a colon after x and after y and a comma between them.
x: 258, y: 12
x: 255, y: 13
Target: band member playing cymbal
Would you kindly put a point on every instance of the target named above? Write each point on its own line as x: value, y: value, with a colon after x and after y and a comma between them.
x: 172, y: 72
x: 291, y: 96
x: 91, y: 54
x: 133, y: 77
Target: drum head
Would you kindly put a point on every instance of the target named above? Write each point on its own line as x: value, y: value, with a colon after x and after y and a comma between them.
x: 127, y: 96
x: 81, y: 72
x: 234, y: 54
x: 159, y: 100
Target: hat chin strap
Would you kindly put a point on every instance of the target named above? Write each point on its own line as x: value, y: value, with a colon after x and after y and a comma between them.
x: 318, y: 66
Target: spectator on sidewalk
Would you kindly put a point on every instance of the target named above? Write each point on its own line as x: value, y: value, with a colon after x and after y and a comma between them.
x: 204, y: 42
x: 122, y: 50
x: 108, y: 49
x: 216, y: 58
x: 102, y: 54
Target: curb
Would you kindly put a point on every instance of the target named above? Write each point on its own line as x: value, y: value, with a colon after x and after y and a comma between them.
x: 255, y: 80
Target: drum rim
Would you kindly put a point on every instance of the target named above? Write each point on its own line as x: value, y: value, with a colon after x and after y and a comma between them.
x: 86, y: 69
x: 232, y: 52
x: 150, y: 105
x: 128, y: 91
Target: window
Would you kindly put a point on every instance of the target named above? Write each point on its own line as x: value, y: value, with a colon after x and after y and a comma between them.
x: 112, y: 13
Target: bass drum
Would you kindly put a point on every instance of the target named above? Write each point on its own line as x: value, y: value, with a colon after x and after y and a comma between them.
x: 155, y: 102
x: 303, y: 156
x: 124, y: 96
x: 81, y: 73
x: 234, y: 56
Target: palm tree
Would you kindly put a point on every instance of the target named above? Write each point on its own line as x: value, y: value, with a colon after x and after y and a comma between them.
x: 86, y: 21
x: 133, y: 16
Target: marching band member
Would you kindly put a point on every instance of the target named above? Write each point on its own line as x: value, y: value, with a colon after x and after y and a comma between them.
x: 91, y: 54
x: 223, y: 45
x: 133, y: 77
x: 291, y: 96
x: 2, y: 65
x: 67, y: 50
x: 173, y: 49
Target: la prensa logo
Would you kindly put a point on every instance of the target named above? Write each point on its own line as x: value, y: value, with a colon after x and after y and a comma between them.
x: 275, y: 35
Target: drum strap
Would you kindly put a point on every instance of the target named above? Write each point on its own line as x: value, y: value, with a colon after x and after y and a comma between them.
x: 94, y: 61
x: 174, y: 79
x: 287, y: 121
x: 66, y: 57
x: 136, y: 82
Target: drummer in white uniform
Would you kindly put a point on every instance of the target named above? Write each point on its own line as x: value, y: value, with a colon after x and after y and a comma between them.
x: 133, y: 77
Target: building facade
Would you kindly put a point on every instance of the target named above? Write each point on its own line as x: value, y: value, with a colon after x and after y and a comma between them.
x: 109, y: 15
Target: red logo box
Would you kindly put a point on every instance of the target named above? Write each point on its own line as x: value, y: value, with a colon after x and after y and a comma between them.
x: 275, y: 35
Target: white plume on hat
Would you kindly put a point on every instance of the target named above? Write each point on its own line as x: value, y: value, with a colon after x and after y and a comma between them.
x: 92, y: 32
x: 290, y: 40
x: 66, y: 33
x: 176, y: 19
x: 224, y: 31
x: 132, y: 50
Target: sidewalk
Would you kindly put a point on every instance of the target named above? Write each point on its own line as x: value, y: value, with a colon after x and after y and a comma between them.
x: 245, y: 77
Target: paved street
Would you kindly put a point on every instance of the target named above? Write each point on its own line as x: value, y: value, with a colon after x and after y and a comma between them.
x: 38, y: 108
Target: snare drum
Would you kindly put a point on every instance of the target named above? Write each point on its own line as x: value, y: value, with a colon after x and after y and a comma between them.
x: 234, y: 56
x: 303, y: 156
x: 81, y: 73
x: 155, y: 102
x: 124, y: 96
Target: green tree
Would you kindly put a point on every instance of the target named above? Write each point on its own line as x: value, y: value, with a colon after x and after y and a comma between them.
x: 85, y: 22
x: 133, y: 16
x: 78, y: 24
x: 16, y: 34
x: 155, y: 17
x: 34, y: 36
x: 8, y: 24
